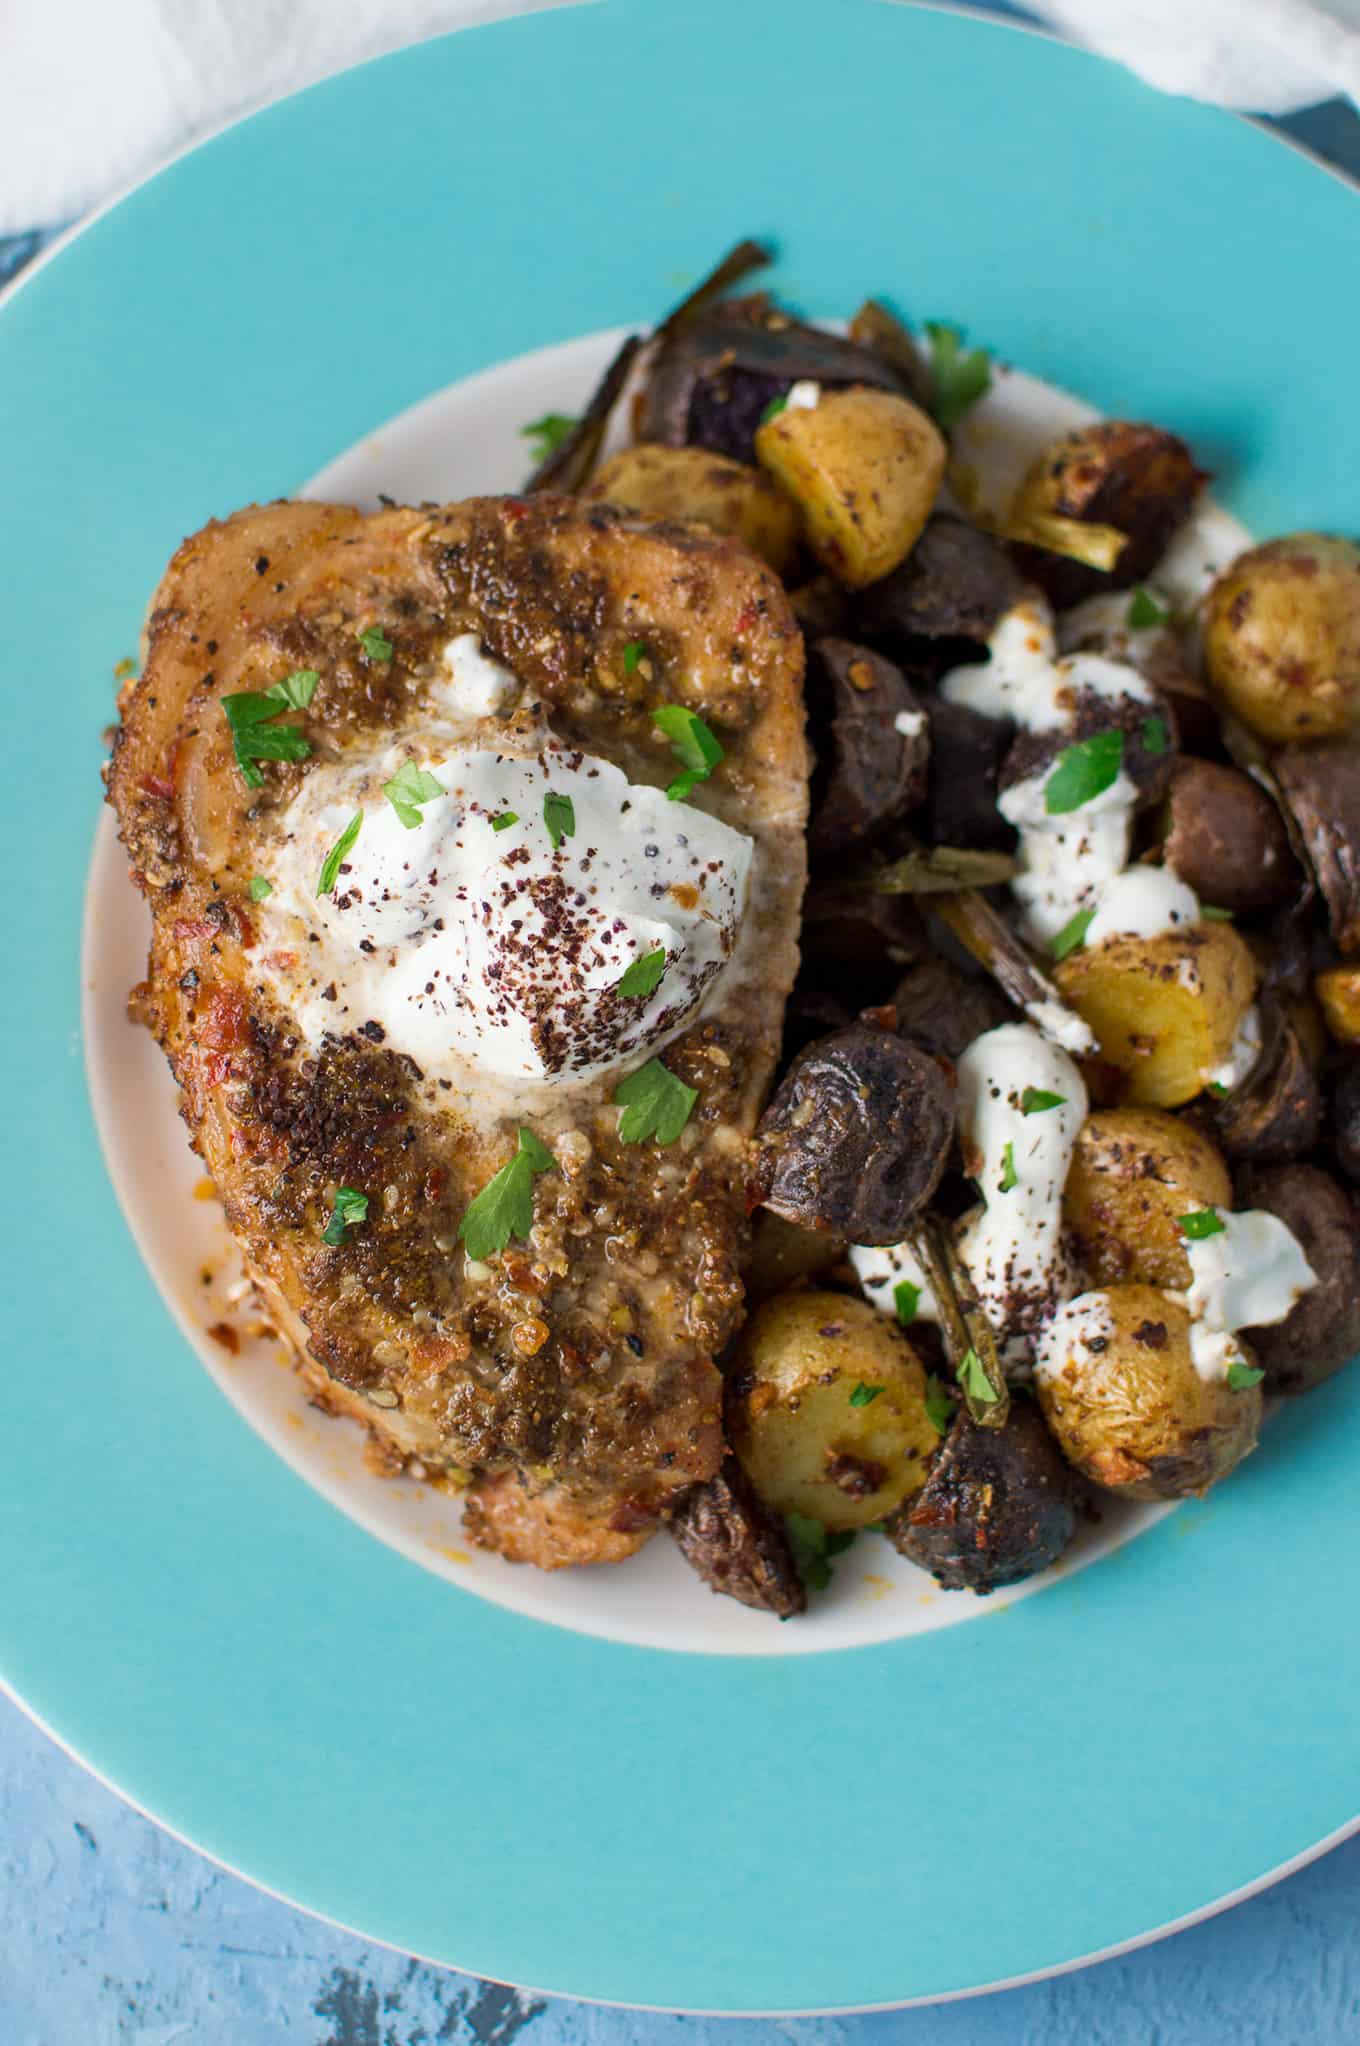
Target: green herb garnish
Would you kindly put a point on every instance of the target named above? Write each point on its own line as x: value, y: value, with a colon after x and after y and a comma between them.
x: 907, y: 1300
x: 774, y: 408
x: 654, y: 1103
x: 1083, y: 772
x: 1072, y: 934
x: 254, y: 736
x: 505, y: 1205
x: 1038, y: 1101
x: 1217, y: 1087
x: 259, y: 887
x: 865, y: 1395
x: 1145, y: 611
x: 376, y: 644
x: 1155, y: 735
x: 807, y: 1543
x: 351, y: 1208
x: 839, y: 1539
x: 1212, y: 914
x: 330, y: 866
x: 632, y: 654
x: 546, y: 435
x: 1240, y: 1376
x: 409, y: 787
x: 1203, y: 1222
x: 693, y: 744
x: 644, y: 975
x: 504, y: 819
x: 972, y: 1376
x: 939, y: 1406
x: 1009, y: 1176
x: 559, y: 814
x: 957, y: 380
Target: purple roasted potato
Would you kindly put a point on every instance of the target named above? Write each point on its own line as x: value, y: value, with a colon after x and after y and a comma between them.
x: 737, y: 1545
x: 872, y: 741
x: 999, y: 1505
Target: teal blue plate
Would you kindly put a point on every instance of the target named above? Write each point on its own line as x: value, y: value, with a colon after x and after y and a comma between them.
x: 726, y: 1833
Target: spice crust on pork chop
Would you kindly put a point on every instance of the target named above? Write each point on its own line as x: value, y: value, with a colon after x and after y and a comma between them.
x: 572, y: 1376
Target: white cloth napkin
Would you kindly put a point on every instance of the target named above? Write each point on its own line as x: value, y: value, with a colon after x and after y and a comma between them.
x: 94, y: 93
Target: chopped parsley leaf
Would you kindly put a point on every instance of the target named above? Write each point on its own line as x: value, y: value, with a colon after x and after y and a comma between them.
x: 296, y: 690
x: 559, y: 814
x: 351, y: 1208
x: 409, y: 787
x: 1217, y: 1087
x: 1145, y: 611
x: 1009, y: 1176
x: 939, y: 1406
x: 260, y: 887
x: 972, y: 1376
x: 376, y: 644
x: 694, y: 746
x: 644, y: 975
x: 1083, y: 772
x: 1038, y: 1101
x: 1073, y: 933
x: 865, y: 1395
x: 654, y: 1103
x: 330, y: 866
x: 1203, y: 1222
x: 776, y: 405
x: 906, y: 1299
x: 632, y: 654
x: 546, y: 435
x: 504, y: 819
x: 1214, y: 915
x: 254, y: 736
x: 957, y: 379
x: 839, y: 1539
x: 1155, y: 735
x: 505, y: 1205
x: 1241, y: 1375
x: 807, y: 1543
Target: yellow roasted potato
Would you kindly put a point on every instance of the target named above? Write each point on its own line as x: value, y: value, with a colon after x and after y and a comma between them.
x: 827, y: 1409
x: 1134, y: 1173
x: 864, y: 468
x: 1282, y: 637
x: 1165, y: 1010
x: 703, y: 489
x: 1119, y: 1389
x: 1338, y: 991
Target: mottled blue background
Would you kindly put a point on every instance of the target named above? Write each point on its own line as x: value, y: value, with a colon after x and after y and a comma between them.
x: 110, y: 1932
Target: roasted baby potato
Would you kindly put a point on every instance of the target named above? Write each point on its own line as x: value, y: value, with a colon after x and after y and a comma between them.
x: 781, y: 1253
x: 737, y: 1545
x: 1276, y: 1113
x: 1321, y: 785
x: 942, y: 1008
x: 827, y: 1409
x: 945, y: 599
x: 704, y: 490
x: 1282, y: 637
x: 1225, y: 838
x: 1165, y: 1010
x: 1134, y: 1415
x: 997, y: 1507
x: 863, y: 467
x: 871, y: 736
x: 1134, y: 1173
x: 1338, y: 992
x: 1322, y: 1333
x: 1138, y: 482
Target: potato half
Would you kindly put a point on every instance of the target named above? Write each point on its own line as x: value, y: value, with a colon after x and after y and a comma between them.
x: 827, y: 1410
x: 1134, y: 1173
x: 1165, y: 1010
x: 1282, y: 637
x: 864, y: 468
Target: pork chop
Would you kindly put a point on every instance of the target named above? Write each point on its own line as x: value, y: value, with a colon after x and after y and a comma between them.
x: 568, y: 1380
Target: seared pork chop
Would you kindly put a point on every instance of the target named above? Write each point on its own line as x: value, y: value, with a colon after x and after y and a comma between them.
x: 568, y: 1378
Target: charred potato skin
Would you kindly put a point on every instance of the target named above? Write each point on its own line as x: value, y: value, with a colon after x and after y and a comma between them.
x: 1165, y: 1010
x: 856, y: 1136
x: 864, y: 467
x: 1322, y: 1333
x: 736, y: 1545
x: 999, y: 1505
x: 1277, y: 1112
x: 804, y: 1447
x: 702, y: 489
x: 1345, y: 1120
x: 1135, y: 1171
x: 1225, y: 838
x: 1282, y: 637
x: 940, y: 606
x: 967, y: 754
x: 943, y: 1009
x: 1137, y: 478
x: 871, y: 771
x: 1143, y: 1424
x: 1321, y: 784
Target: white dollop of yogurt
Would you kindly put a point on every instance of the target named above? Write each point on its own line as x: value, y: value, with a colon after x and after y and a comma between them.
x: 804, y: 396
x: 1246, y: 1049
x: 1143, y: 902
x: 470, y: 941
x: 882, y: 1268
x: 1251, y: 1273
